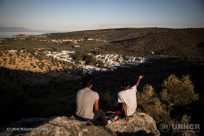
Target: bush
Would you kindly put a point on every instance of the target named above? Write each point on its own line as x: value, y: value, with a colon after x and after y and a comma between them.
x: 148, y: 90
x: 99, y: 63
x: 149, y: 103
x: 185, y: 119
x: 178, y: 92
x: 90, y: 60
x: 79, y: 55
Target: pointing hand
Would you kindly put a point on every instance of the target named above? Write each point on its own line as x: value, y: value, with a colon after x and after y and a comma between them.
x: 141, y: 76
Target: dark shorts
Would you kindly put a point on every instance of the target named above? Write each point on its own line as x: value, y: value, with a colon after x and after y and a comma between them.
x: 82, y: 119
x: 99, y: 118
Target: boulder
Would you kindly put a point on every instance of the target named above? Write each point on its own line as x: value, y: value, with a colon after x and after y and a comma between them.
x: 138, y: 124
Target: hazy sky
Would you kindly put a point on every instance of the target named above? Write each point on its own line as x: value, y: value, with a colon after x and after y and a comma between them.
x: 68, y: 15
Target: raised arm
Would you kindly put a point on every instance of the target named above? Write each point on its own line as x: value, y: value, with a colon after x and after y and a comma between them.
x: 138, y: 81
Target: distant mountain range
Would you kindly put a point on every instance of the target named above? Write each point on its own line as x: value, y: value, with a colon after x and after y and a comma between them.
x: 17, y: 29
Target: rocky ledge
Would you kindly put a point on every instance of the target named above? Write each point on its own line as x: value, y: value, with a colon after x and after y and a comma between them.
x: 139, y: 124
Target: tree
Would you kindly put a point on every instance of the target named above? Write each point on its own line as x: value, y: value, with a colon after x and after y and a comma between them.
x: 175, y: 93
x: 90, y: 60
x: 79, y: 55
x: 99, y: 63
x: 178, y: 92
x: 148, y: 102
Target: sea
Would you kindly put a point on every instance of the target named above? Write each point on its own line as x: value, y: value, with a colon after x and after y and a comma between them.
x: 12, y: 34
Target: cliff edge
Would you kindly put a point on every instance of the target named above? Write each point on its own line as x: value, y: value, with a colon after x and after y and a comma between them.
x: 138, y: 124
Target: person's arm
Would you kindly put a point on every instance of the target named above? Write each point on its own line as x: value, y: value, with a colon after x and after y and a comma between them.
x: 138, y: 81
x: 124, y: 108
x: 96, y: 105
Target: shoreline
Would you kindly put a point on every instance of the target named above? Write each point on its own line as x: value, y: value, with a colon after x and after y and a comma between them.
x: 12, y: 34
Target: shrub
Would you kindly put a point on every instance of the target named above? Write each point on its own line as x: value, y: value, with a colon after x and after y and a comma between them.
x: 149, y: 90
x: 185, y: 119
x: 181, y: 93
x: 178, y: 92
x: 79, y: 55
x: 149, y: 103
x: 156, y: 109
x: 90, y: 60
x: 100, y: 63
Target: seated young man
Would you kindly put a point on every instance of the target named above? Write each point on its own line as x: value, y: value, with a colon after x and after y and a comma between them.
x: 127, y: 97
x: 87, y: 102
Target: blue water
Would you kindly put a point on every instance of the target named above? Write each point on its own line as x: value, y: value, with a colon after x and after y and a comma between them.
x: 11, y: 34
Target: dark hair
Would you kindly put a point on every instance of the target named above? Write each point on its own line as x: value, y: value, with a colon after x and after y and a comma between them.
x: 125, y: 84
x: 87, y: 82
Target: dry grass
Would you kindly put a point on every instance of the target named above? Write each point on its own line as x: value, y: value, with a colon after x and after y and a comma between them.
x: 27, y: 62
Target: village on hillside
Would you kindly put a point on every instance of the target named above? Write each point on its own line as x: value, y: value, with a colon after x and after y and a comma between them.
x: 107, y: 61
x: 110, y: 61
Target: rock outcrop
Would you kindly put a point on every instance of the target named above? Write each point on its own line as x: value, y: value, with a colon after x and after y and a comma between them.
x: 140, y: 123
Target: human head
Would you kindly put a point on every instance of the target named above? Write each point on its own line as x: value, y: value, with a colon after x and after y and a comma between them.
x: 87, y: 82
x: 125, y: 85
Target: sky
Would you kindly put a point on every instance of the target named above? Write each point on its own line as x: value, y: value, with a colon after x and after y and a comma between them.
x: 71, y: 15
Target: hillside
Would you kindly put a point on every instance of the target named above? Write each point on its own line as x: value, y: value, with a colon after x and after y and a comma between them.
x: 150, y: 42
x: 28, y: 62
x: 147, y: 41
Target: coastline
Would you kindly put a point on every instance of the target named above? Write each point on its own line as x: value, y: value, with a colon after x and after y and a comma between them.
x: 12, y: 34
